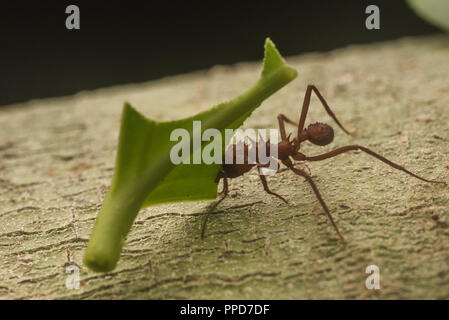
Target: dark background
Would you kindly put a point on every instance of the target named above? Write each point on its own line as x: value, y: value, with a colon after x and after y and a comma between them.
x: 129, y: 41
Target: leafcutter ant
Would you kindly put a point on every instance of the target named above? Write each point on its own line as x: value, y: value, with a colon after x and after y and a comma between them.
x: 288, y: 149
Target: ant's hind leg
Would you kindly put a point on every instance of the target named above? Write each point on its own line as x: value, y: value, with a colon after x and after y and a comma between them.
x: 267, y: 190
x: 225, y: 193
x: 341, y: 150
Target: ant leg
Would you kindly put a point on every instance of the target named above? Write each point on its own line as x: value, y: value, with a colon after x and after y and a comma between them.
x: 225, y: 187
x: 302, y: 173
x: 225, y: 194
x: 308, y: 169
x: 297, y: 164
x: 284, y: 118
x: 267, y: 190
x: 341, y: 150
x: 281, y: 119
x: 305, y: 109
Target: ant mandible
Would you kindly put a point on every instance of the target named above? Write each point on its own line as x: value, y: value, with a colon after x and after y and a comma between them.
x: 317, y: 133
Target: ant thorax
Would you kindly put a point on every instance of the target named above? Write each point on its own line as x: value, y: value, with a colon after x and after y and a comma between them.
x: 285, y: 149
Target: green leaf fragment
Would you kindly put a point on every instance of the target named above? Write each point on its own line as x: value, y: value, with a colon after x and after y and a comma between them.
x: 144, y: 174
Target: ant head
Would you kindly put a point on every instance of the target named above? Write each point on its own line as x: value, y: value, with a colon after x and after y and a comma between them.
x: 320, y: 134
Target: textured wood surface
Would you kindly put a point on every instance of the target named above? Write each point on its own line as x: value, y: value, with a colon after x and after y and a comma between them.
x: 57, y: 157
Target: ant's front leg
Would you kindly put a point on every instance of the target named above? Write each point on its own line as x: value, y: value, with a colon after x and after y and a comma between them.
x: 281, y: 120
x: 341, y: 150
x: 302, y: 173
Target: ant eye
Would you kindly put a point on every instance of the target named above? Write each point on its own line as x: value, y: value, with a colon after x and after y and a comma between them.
x: 320, y: 133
